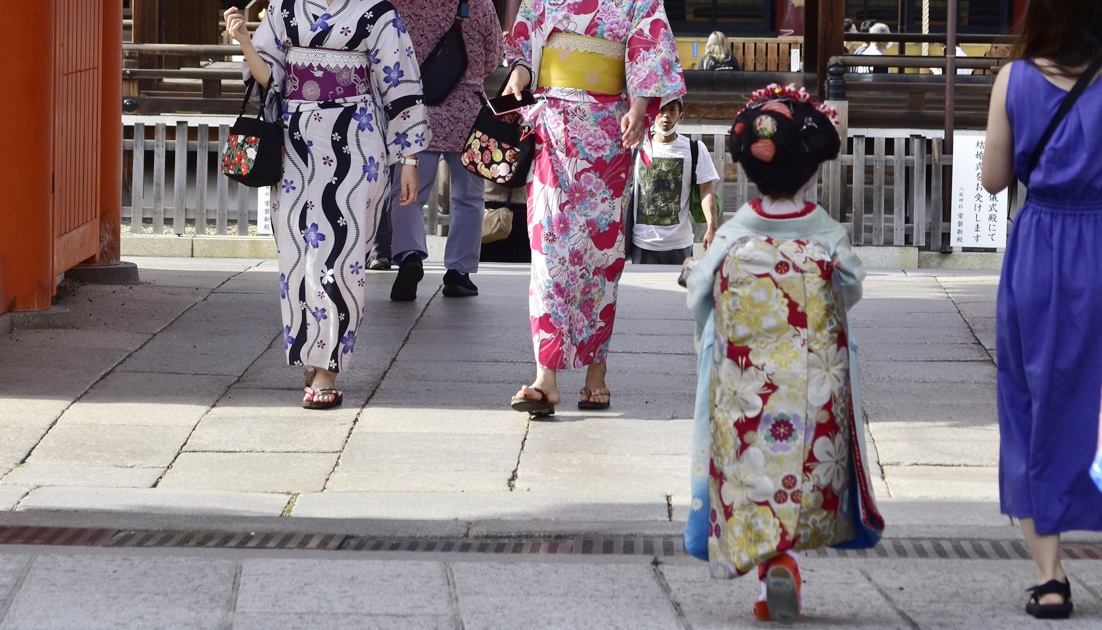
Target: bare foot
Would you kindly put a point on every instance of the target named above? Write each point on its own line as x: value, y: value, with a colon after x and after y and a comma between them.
x: 595, y: 380
x: 322, y: 379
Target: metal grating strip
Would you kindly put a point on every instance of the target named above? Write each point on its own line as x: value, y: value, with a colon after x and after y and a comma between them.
x: 665, y: 546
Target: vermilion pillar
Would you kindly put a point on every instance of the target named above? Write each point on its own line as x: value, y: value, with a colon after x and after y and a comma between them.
x: 26, y: 159
x: 111, y: 136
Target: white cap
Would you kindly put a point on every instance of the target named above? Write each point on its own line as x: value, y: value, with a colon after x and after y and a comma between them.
x: 666, y: 100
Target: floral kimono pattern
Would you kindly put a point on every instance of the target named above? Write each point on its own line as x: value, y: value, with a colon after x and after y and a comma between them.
x: 779, y: 471
x: 580, y: 171
x: 325, y: 212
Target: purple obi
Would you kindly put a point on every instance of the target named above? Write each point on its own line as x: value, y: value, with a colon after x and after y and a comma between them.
x: 321, y: 74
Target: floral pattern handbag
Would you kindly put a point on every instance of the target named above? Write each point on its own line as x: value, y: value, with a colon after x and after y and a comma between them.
x: 253, y: 154
x: 499, y: 148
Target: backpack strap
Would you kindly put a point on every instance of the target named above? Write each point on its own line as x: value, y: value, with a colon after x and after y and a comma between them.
x: 1065, y: 107
x: 694, y: 155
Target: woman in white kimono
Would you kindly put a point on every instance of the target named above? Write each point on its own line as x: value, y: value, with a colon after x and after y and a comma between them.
x: 350, y: 89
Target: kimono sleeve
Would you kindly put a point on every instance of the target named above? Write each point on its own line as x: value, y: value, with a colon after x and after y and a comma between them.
x: 396, y: 79
x: 269, y: 41
x: 518, y: 46
x: 653, y: 68
x: 850, y: 271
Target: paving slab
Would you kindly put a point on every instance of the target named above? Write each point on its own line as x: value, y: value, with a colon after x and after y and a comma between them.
x: 11, y: 494
x: 17, y: 442
x: 418, y: 480
x: 532, y: 595
x: 995, y: 598
x: 250, y: 472
x: 928, y: 372
x: 35, y: 413
x: 589, y: 472
x: 387, y: 419
x: 270, y: 371
x: 926, y: 352
x: 147, y: 399
x: 348, y: 587
x: 144, y: 307
x: 441, y: 452
x: 74, y: 476
x: 943, y: 482
x: 836, y: 595
x: 881, y: 407
x: 256, y: 403
x: 232, y: 431
x: 611, y: 435
x: 479, y: 506
x: 107, y: 445
x: 65, y: 348
x: 111, y: 593
x: 935, y: 444
x: 155, y: 501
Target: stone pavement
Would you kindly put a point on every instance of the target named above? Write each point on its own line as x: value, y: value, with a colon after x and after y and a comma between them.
x: 166, y: 405
x: 90, y: 589
x: 171, y: 396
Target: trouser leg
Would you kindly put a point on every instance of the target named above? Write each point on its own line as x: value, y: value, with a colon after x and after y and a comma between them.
x: 468, y: 206
x: 408, y: 222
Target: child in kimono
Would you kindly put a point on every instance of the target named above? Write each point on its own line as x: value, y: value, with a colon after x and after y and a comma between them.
x: 778, y: 437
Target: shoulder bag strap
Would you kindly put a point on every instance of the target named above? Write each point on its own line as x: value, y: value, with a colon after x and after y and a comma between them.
x: 1065, y: 107
x: 694, y: 153
x: 248, y: 92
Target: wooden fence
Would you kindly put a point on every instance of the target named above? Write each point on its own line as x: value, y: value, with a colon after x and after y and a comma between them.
x: 885, y: 189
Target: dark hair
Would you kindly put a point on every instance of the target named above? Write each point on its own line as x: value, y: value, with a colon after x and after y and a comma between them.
x: 866, y: 25
x: 781, y: 143
x: 846, y: 25
x: 1069, y: 32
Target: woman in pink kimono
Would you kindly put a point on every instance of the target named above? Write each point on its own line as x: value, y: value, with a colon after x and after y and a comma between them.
x: 597, y: 64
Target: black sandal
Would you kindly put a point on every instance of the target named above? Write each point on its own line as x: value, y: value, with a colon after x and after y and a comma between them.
x: 1050, y: 611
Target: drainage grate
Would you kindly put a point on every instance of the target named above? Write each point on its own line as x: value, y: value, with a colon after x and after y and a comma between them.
x: 661, y: 546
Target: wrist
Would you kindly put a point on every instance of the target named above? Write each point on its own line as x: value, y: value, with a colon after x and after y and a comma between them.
x: 410, y: 160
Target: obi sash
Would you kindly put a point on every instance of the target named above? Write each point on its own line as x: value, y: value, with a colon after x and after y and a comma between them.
x: 321, y: 74
x: 583, y: 63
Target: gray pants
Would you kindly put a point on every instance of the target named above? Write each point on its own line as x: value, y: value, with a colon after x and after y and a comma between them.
x: 640, y: 256
x: 465, y: 230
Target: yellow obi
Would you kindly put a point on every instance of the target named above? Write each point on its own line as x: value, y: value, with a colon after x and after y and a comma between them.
x: 583, y: 63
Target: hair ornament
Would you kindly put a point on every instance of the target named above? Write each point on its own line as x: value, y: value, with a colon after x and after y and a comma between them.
x: 739, y: 127
x: 764, y: 150
x: 765, y: 127
x: 778, y: 107
x: 769, y: 99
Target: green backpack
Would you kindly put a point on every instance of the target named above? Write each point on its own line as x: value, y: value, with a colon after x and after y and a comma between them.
x: 696, y: 208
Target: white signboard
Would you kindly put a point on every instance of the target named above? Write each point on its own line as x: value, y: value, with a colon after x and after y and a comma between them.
x: 264, y: 210
x: 979, y: 218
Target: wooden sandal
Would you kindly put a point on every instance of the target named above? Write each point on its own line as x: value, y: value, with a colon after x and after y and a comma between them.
x: 589, y: 403
x: 534, y: 406
x: 338, y: 398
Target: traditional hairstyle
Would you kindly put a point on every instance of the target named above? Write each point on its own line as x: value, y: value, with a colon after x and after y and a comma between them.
x: 781, y: 137
x: 717, y: 46
x: 1069, y: 32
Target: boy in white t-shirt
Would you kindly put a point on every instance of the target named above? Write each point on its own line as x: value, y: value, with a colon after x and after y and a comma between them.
x: 663, y: 231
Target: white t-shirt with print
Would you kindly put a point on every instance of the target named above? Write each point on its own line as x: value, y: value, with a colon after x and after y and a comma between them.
x: 662, y: 221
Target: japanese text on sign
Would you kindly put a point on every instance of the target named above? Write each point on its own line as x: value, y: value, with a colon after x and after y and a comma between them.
x: 979, y: 218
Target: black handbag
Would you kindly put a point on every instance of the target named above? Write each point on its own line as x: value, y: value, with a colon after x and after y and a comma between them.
x: 253, y: 154
x: 447, y: 63
x: 499, y: 148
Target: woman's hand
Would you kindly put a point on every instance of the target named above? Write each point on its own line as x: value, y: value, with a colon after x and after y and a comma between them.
x: 409, y: 185
x: 235, y: 25
x: 633, y: 124
x: 519, y: 79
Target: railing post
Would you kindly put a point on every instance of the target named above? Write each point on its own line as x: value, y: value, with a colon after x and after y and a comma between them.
x: 836, y: 83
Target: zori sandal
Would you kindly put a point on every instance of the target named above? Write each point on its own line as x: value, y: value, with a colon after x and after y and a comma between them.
x: 782, y: 589
x: 338, y: 398
x: 1050, y: 611
x: 534, y: 406
x: 587, y: 401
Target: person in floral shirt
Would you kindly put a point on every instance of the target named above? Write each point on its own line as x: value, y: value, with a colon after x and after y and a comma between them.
x: 451, y: 121
x: 598, y: 65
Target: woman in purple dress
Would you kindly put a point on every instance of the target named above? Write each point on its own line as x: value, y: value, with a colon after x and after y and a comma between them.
x: 1049, y: 355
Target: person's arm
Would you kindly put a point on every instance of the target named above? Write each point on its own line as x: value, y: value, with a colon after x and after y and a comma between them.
x: 518, y: 49
x: 493, y: 42
x: 711, y: 215
x: 512, y: 7
x: 998, y: 154
x: 634, y: 123
x: 237, y: 29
